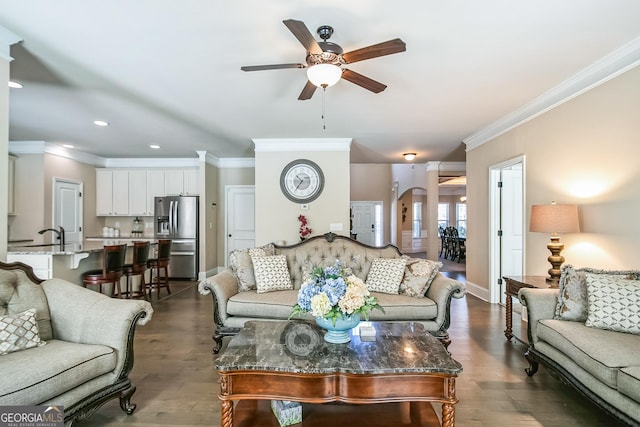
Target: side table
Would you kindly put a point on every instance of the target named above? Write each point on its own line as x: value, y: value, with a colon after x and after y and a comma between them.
x: 513, y: 285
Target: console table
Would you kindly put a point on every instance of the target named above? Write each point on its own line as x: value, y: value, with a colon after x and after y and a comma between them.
x: 513, y: 285
x: 291, y: 361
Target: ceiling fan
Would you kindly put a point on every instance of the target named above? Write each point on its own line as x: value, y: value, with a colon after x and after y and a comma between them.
x: 325, y: 59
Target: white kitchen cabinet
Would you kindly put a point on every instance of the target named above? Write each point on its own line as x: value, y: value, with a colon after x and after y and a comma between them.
x: 42, y: 264
x: 104, y: 192
x: 190, y: 185
x: 120, y: 192
x: 173, y: 182
x: 11, y: 206
x: 138, y: 192
x: 155, y: 188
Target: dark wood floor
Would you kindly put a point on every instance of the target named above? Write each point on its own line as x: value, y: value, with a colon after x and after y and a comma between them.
x: 177, y: 385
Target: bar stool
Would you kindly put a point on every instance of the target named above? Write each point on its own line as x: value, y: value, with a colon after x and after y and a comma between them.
x: 157, y: 264
x: 111, y: 272
x: 138, y: 267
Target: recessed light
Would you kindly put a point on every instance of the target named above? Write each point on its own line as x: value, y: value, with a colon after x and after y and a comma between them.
x: 67, y: 146
x: 154, y: 146
x: 15, y: 85
x: 100, y: 123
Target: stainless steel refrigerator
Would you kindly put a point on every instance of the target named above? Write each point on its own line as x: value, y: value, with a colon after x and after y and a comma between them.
x: 176, y: 218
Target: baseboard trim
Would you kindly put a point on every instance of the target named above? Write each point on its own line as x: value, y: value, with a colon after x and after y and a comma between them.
x: 478, y: 291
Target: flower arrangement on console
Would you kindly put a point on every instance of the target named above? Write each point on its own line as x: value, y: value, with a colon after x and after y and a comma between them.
x: 334, y: 293
x: 304, y: 231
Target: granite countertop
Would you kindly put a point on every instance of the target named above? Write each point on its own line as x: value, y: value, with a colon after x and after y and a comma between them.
x: 72, y: 248
x: 298, y: 346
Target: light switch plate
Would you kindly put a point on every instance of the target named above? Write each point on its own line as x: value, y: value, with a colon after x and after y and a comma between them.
x: 335, y: 226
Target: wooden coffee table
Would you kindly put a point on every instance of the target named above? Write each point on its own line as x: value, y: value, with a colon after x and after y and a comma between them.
x: 290, y: 361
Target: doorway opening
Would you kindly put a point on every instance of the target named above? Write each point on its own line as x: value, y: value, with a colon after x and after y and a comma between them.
x: 507, y: 219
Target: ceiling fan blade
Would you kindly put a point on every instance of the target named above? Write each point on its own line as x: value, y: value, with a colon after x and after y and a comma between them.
x: 363, y: 81
x: 373, y: 51
x: 307, y: 92
x: 271, y: 67
x: 302, y: 33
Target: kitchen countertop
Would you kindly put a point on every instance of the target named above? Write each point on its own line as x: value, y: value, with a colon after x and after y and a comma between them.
x: 87, y: 247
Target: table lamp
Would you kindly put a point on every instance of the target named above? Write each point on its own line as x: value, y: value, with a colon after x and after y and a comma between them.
x: 554, y: 219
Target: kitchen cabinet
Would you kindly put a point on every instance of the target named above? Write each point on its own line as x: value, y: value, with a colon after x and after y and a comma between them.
x: 11, y: 205
x: 138, y: 192
x: 104, y: 192
x: 131, y: 192
x: 120, y: 192
x: 180, y: 182
x: 155, y: 188
x: 42, y: 264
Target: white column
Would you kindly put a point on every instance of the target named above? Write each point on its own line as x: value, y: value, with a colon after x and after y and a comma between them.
x: 433, y: 196
x: 7, y: 38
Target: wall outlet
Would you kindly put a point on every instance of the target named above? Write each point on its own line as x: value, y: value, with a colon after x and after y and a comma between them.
x: 335, y: 226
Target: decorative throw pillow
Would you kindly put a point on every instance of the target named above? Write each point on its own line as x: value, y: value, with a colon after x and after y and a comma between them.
x: 242, y: 265
x: 572, y: 297
x: 418, y: 275
x: 614, y: 303
x: 271, y: 273
x: 386, y: 274
x: 19, y: 332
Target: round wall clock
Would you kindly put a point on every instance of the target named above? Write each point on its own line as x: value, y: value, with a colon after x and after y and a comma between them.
x: 302, y: 181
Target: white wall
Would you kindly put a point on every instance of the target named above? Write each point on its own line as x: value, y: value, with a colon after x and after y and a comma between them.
x: 584, y: 151
x: 277, y: 216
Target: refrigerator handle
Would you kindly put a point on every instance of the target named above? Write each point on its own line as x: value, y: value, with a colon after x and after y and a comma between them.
x: 171, y: 217
x: 175, y: 218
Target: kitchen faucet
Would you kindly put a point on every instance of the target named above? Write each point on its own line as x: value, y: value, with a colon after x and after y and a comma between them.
x: 60, y: 234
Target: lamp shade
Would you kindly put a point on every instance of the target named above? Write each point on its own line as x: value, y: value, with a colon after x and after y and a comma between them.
x: 324, y: 75
x: 554, y: 219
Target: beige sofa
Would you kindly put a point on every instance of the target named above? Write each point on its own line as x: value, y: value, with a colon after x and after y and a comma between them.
x: 569, y: 334
x: 76, y: 351
x: 233, y: 305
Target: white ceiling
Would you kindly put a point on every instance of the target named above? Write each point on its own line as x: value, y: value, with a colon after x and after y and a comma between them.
x: 167, y: 72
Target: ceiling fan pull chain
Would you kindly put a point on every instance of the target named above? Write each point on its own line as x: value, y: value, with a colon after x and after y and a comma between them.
x: 324, y: 121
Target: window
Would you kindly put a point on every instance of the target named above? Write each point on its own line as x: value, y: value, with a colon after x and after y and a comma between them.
x: 417, y: 219
x: 443, y: 215
x: 461, y: 219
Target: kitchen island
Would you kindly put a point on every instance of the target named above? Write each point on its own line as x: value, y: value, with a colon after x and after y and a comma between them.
x: 69, y: 262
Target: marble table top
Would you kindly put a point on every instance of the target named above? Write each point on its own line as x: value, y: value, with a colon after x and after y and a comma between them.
x: 298, y: 346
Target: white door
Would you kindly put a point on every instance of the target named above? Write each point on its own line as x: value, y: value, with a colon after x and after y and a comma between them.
x: 67, y: 208
x: 240, y: 217
x: 367, y: 222
x: 507, y: 225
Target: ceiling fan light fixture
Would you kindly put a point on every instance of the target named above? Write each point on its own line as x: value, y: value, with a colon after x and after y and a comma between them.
x: 324, y: 75
x: 409, y: 156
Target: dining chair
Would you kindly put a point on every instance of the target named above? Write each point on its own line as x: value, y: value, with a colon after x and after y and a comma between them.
x: 138, y: 267
x: 112, y: 262
x: 158, y: 265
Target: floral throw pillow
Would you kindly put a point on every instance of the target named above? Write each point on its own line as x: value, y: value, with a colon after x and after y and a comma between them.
x: 385, y: 275
x: 418, y: 275
x: 272, y: 273
x: 19, y: 332
x: 242, y: 265
x: 614, y: 303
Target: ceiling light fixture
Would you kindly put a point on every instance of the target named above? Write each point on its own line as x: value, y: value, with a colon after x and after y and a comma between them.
x: 324, y: 75
x: 154, y: 146
x: 67, y: 146
x: 100, y: 123
x: 15, y: 85
x: 409, y: 156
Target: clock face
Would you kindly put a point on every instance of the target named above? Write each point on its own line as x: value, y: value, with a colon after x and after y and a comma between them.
x: 302, y: 181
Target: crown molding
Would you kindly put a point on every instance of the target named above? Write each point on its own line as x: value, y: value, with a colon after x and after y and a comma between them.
x: 238, y: 162
x: 608, y: 67
x: 41, y: 147
x: 7, y: 38
x: 301, y: 144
